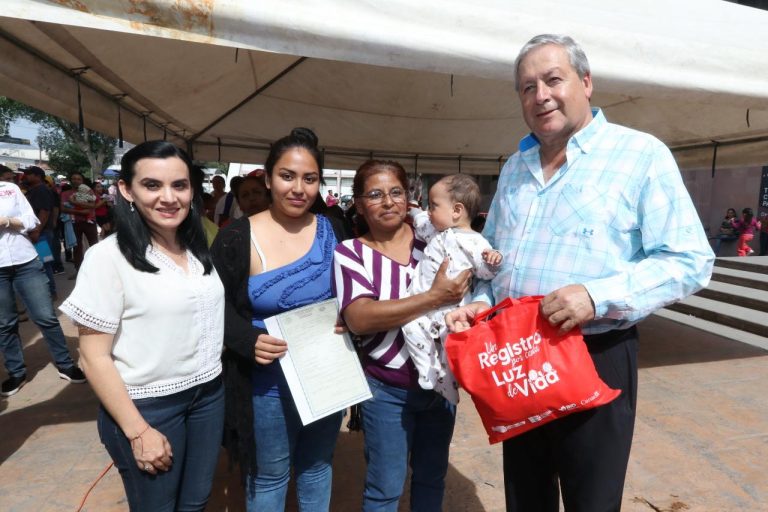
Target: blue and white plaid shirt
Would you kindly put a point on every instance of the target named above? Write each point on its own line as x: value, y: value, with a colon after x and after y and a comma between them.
x: 616, y: 217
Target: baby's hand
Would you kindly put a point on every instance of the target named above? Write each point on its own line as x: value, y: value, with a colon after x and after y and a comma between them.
x: 492, y: 257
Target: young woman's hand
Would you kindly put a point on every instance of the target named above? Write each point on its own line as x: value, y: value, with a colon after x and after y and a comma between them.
x: 268, y: 348
x: 152, y: 451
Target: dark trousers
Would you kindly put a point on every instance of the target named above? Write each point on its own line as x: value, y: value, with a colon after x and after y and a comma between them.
x: 91, y: 234
x: 192, y: 420
x: 587, y: 452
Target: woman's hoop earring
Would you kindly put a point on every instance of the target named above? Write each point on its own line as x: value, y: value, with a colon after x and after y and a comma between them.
x: 132, y: 208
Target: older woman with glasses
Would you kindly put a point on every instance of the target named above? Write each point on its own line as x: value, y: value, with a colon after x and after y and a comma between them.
x: 402, y: 423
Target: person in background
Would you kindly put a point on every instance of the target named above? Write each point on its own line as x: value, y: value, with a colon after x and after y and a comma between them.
x: 83, y: 219
x: 219, y: 184
x: 41, y: 199
x: 596, y: 218
x: 58, y: 265
x: 252, y: 195
x: 7, y: 174
x: 67, y: 227
x: 330, y: 199
x: 745, y: 228
x: 103, y: 209
x: 271, y: 262
x: 727, y: 231
x: 227, y: 209
x: 211, y: 229
x: 149, y: 309
x: 21, y: 272
x: 404, y: 425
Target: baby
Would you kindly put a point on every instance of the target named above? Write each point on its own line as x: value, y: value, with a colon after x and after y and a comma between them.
x: 453, y: 203
x: 84, y: 195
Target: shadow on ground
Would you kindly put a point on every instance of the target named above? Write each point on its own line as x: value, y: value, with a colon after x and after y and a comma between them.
x: 348, y: 481
x: 666, y: 343
x: 73, y: 404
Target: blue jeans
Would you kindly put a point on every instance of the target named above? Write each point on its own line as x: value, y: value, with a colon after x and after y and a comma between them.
x: 402, y: 426
x: 55, y: 242
x: 282, y: 442
x: 193, y: 422
x: 719, y: 240
x: 30, y: 282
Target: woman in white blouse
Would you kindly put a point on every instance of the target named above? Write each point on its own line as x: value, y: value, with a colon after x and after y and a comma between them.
x: 150, y: 311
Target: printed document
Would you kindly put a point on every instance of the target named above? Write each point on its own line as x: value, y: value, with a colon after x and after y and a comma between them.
x: 321, y: 367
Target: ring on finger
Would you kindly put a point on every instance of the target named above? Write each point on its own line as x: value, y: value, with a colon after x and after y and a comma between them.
x: 147, y: 467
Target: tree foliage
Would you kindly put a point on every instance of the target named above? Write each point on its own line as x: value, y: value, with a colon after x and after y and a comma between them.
x: 68, y: 149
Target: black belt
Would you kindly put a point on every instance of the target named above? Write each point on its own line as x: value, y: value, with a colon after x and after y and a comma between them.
x: 610, y: 337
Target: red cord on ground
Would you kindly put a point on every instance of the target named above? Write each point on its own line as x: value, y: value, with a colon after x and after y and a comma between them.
x: 85, y: 497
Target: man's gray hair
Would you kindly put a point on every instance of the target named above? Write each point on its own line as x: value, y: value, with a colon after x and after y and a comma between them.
x: 576, y: 54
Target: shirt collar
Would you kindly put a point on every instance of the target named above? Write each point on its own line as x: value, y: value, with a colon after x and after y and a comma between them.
x: 582, y: 138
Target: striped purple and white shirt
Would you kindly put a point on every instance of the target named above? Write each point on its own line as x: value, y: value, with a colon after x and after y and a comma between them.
x: 360, y: 271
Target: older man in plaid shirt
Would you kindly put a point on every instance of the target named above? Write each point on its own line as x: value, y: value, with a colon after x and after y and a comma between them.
x: 595, y: 217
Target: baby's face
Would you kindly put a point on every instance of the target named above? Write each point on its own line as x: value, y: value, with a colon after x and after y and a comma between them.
x: 441, y: 207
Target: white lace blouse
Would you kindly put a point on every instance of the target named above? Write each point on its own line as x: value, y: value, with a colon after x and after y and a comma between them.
x: 168, y: 325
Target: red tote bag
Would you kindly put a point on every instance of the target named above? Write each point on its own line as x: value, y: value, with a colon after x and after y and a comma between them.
x: 520, y: 372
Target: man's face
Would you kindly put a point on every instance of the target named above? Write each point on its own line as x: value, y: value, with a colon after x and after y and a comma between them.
x: 7, y: 176
x: 32, y: 180
x: 76, y: 180
x: 555, y: 100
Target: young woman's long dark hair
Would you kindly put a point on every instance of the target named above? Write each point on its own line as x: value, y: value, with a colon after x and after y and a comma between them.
x: 299, y: 138
x: 133, y: 233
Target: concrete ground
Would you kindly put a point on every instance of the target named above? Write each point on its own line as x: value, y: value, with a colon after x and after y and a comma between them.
x: 701, y: 440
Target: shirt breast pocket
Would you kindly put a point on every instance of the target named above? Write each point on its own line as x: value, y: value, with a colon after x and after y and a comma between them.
x: 515, y: 207
x: 581, y: 212
x: 590, y: 215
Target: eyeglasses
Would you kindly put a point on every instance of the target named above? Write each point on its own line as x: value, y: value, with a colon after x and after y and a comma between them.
x: 377, y: 196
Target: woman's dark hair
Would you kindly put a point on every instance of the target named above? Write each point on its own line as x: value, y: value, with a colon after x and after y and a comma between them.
x: 373, y: 167
x: 748, y: 214
x: 133, y: 233
x: 318, y: 206
x: 299, y: 138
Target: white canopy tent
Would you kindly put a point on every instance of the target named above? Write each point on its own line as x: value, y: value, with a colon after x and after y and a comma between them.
x: 428, y: 82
